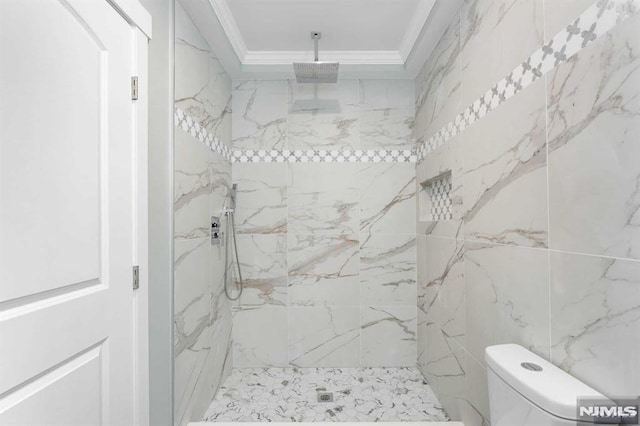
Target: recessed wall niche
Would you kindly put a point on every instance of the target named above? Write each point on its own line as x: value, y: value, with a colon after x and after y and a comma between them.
x: 435, y: 198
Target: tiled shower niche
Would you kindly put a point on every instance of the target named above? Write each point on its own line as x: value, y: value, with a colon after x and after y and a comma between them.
x: 435, y: 198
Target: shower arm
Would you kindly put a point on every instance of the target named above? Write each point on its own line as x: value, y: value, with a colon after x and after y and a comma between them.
x: 316, y: 36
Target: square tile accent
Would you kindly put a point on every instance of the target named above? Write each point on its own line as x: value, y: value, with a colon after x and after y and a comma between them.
x: 439, y: 195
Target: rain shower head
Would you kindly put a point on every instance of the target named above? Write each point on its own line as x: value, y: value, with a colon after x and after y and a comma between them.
x: 316, y: 71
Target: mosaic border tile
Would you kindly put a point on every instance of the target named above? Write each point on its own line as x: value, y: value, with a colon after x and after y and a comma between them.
x: 597, y: 20
x: 325, y: 156
x: 191, y: 126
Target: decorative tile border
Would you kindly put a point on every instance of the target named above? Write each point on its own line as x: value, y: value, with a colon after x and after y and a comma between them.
x: 195, y: 129
x: 325, y: 156
x: 591, y: 24
x: 594, y: 22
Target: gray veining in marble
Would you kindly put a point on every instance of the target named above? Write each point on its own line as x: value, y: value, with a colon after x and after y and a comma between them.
x: 260, y: 114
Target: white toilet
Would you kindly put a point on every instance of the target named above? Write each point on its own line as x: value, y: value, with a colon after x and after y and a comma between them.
x: 526, y: 390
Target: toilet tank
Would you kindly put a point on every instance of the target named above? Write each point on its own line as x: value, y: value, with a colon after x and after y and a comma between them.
x: 526, y: 390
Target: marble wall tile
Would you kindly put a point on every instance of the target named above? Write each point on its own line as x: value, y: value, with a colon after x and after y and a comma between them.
x: 387, y: 270
x: 193, y: 294
x: 505, y: 179
x: 323, y: 198
x: 444, y: 368
x: 438, y: 85
x: 386, y: 114
x: 202, y: 87
x: 422, y: 343
x: 188, y: 369
x: 261, y: 203
x: 476, y: 406
x: 260, y: 337
x: 323, y: 270
x: 594, y: 122
x: 194, y: 183
x: 260, y: 114
x: 442, y: 290
x: 324, y: 337
x: 202, y: 314
x: 559, y: 14
x: 323, y: 116
x: 263, y: 262
x: 388, y: 336
x: 387, y: 198
x: 496, y: 36
x: 595, y: 321
x: 508, y: 292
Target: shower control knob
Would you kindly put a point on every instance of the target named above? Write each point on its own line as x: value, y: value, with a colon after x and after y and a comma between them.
x: 216, y: 233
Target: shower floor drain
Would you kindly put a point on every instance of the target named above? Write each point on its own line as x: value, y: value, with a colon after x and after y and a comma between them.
x: 324, y: 396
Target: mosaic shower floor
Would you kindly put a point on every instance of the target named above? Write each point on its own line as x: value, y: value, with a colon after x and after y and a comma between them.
x: 291, y: 395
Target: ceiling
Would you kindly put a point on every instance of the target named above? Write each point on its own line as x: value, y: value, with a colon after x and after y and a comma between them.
x: 378, y: 38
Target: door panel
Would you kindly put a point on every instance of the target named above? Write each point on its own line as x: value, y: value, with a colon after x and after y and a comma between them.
x: 47, y: 401
x: 50, y: 171
x: 67, y: 144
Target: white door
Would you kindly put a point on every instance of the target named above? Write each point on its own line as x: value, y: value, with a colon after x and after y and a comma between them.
x: 67, y: 214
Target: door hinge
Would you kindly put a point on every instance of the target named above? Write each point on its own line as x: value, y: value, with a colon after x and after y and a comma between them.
x: 136, y: 277
x: 134, y: 87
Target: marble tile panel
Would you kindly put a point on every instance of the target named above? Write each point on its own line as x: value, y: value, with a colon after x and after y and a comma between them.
x: 442, y: 289
x: 444, y: 363
x: 260, y: 114
x: 323, y: 116
x: 595, y: 321
x: 387, y: 270
x: 194, y: 184
x: 438, y: 85
x: 324, y: 337
x: 260, y: 336
x: 323, y: 199
x: 192, y: 296
x: 261, y: 203
x: 202, y: 87
x: 263, y: 263
x: 476, y: 406
x: 323, y: 270
x: 388, y: 336
x: 386, y: 114
x: 387, y: 198
x: 594, y: 122
x: 505, y: 178
x: 422, y: 345
x: 507, y: 290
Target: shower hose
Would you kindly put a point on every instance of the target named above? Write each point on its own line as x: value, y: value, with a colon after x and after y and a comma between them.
x: 231, y: 228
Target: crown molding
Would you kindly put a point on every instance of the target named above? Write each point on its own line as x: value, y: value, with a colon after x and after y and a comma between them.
x: 415, y: 28
x: 222, y: 11
x: 346, y: 57
x: 217, y: 26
